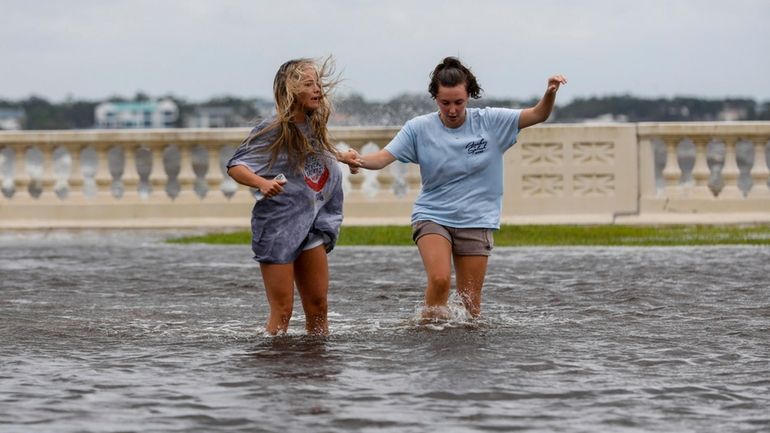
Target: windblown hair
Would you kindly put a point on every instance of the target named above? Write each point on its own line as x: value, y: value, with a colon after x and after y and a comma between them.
x: 286, y: 89
x: 451, y: 72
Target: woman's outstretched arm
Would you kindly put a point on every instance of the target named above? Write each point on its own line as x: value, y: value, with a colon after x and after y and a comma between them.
x: 540, y: 112
x: 377, y: 160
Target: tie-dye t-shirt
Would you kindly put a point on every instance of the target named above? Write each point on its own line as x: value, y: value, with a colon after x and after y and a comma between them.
x: 309, y: 207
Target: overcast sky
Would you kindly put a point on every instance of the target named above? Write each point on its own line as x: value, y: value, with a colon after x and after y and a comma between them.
x: 197, y: 49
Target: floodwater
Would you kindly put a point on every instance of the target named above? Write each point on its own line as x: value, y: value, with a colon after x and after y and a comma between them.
x: 120, y: 332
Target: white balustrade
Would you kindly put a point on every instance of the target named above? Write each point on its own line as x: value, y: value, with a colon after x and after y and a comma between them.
x: 730, y: 173
x: 346, y: 185
x: 700, y: 170
x: 730, y: 170
x: 760, y: 170
x: 709, y: 172
x: 672, y: 173
x: 372, y: 179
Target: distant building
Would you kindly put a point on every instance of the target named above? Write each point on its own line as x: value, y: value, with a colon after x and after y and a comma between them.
x: 145, y: 114
x: 11, y: 119
x: 214, y: 117
x: 224, y: 115
x: 265, y: 107
x: 607, y: 118
x: 733, y: 113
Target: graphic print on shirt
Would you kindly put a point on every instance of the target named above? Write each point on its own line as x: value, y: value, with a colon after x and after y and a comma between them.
x: 477, y: 146
x: 316, y: 173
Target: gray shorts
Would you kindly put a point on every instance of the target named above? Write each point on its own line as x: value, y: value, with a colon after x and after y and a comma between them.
x: 465, y: 241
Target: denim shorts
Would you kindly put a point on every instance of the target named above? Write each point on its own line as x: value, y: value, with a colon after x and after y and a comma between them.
x: 465, y: 241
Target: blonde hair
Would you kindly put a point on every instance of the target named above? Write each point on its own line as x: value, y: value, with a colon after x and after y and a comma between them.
x: 286, y: 88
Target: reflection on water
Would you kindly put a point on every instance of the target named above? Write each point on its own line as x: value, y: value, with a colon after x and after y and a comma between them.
x: 120, y: 332
x: 308, y: 357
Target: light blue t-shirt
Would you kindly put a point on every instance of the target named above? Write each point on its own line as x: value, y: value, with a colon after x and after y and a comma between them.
x: 461, y: 168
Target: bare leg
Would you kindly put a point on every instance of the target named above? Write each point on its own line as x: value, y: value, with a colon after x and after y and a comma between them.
x: 436, y: 253
x: 471, y: 271
x: 311, y: 272
x: 279, y: 287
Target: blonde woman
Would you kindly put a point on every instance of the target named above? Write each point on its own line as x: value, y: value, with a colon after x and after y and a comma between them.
x: 296, y: 219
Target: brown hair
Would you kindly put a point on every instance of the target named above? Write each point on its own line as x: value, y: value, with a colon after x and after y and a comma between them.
x: 451, y: 72
x: 286, y: 88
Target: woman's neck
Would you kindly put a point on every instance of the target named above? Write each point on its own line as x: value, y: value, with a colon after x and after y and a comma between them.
x: 299, y: 117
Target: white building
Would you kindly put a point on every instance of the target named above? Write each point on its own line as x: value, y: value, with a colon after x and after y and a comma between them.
x: 11, y: 119
x: 214, y: 117
x: 146, y: 114
x: 731, y: 113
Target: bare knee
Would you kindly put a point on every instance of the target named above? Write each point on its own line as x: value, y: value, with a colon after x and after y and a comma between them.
x: 282, y: 308
x: 315, y: 305
x: 281, y: 315
x: 439, y: 283
x: 437, y: 291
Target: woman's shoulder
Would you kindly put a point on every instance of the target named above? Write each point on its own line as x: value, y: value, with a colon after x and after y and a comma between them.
x: 263, y: 131
x: 263, y: 124
x: 423, y: 121
x: 488, y: 111
x: 493, y: 114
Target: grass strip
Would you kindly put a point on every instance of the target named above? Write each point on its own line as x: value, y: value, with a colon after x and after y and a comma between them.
x: 544, y: 235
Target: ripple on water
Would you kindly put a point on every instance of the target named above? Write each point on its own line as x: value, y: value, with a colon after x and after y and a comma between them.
x: 108, y: 334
